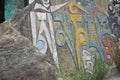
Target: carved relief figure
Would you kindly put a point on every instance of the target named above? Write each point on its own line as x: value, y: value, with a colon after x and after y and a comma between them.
x: 43, y: 35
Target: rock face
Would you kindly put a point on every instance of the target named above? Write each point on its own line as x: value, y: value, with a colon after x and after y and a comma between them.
x: 20, y: 60
x: 79, y: 37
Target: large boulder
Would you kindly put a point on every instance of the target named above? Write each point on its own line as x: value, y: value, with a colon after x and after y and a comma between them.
x: 20, y: 60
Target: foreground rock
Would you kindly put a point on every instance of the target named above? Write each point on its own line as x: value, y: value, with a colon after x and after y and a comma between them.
x: 19, y: 59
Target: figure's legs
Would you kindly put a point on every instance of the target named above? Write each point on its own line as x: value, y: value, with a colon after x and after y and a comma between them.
x: 43, y: 28
x: 33, y: 27
x: 54, y: 50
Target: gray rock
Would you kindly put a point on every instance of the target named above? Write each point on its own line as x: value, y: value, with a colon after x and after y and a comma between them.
x: 20, y: 60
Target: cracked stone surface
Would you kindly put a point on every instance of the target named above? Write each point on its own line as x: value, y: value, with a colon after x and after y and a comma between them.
x: 20, y: 60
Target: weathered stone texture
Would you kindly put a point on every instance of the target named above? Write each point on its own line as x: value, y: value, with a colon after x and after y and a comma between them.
x: 21, y: 21
x: 20, y: 60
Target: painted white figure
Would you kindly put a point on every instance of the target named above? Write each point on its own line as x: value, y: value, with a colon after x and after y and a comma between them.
x: 40, y: 41
x: 88, y: 61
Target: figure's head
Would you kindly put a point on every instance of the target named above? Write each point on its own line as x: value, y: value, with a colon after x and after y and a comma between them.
x: 46, y: 3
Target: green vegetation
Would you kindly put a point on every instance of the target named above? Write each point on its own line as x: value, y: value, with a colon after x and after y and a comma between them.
x: 99, y: 72
x: 117, y: 61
